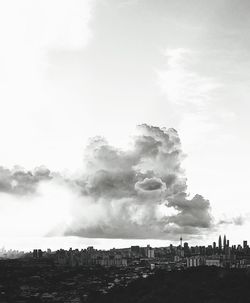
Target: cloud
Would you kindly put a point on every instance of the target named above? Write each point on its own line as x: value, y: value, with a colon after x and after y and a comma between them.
x: 140, y: 192
x: 239, y: 220
x: 193, y: 212
x: 137, y: 193
x: 180, y: 82
x: 150, y: 184
x: 18, y: 181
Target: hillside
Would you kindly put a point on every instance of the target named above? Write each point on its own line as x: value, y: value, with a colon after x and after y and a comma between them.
x: 196, y: 285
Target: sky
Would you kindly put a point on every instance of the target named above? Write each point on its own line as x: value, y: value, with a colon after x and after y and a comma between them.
x: 72, y: 70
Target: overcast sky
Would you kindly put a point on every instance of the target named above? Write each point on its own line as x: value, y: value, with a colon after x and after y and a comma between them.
x: 75, y: 69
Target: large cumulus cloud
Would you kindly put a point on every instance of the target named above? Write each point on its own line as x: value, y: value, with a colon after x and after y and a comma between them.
x: 140, y: 192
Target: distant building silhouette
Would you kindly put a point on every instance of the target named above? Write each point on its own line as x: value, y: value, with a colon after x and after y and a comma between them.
x: 214, y: 246
x: 224, y: 243
x: 37, y: 253
x: 150, y: 252
x: 220, y: 243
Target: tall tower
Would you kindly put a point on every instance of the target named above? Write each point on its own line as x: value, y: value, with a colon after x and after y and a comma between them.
x: 224, y: 242
x: 220, y: 243
x: 181, y: 242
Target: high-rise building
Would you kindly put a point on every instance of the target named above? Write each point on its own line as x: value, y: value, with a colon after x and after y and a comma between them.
x: 245, y: 244
x: 150, y: 252
x: 37, y: 253
x: 220, y: 243
x: 224, y: 242
x: 90, y: 248
x: 186, y: 248
x: 214, y: 246
x: 34, y: 253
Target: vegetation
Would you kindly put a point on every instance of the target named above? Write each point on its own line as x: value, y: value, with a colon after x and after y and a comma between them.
x: 196, y: 285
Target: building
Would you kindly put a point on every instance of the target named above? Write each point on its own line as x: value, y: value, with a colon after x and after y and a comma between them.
x: 214, y: 246
x: 150, y: 253
x: 37, y: 253
x: 224, y: 243
x: 186, y: 249
x: 220, y: 244
x: 195, y: 261
x: 213, y: 262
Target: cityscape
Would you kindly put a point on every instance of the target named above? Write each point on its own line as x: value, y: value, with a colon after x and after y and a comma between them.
x: 80, y: 275
x: 124, y: 159
x: 219, y: 254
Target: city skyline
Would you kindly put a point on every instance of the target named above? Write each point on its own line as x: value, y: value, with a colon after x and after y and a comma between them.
x: 123, y: 122
x: 180, y: 243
